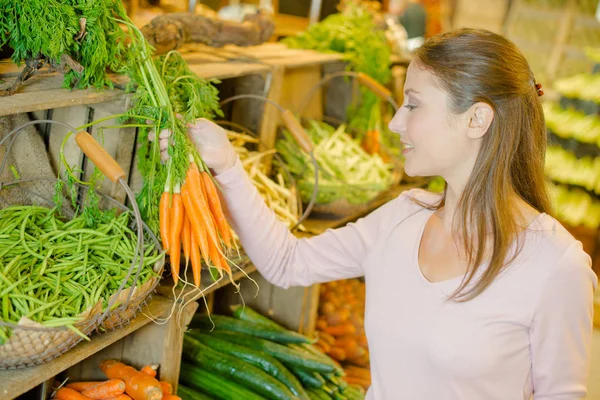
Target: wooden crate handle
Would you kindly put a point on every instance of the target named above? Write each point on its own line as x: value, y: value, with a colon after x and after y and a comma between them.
x: 297, y: 131
x: 380, y: 91
x: 109, y: 167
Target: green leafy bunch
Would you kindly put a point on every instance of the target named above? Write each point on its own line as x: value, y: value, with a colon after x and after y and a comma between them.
x: 171, y: 95
x: 352, y: 33
x: 53, y: 28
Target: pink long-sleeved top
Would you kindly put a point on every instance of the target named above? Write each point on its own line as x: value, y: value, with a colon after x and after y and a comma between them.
x: 528, y: 333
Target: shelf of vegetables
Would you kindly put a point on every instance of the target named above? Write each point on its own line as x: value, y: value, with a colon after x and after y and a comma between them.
x: 17, y: 382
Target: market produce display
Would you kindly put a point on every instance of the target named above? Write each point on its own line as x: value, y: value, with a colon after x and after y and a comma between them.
x: 341, y: 328
x: 279, y: 193
x: 253, y: 357
x: 562, y: 166
x: 346, y: 170
x: 567, y: 124
x: 573, y: 158
x: 575, y: 206
x: 56, y: 272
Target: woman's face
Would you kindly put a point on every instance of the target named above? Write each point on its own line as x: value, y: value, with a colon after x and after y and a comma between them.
x: 435, y: 140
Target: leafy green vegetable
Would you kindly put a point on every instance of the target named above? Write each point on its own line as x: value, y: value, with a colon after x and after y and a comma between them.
x: 84, y: 30
x: 353, y: 34
x: 346, y: 171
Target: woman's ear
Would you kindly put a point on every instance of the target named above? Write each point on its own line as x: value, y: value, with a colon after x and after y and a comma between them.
x: 479, y: 119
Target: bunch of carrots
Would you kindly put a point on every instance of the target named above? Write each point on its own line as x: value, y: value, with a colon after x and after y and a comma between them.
x: 191, y: 219
x: 124, y: 383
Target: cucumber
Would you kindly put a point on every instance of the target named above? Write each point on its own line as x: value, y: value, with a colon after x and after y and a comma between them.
x: 249, y: 315
x: 353, y: 393
x: 189, y: 394
x: 218, y: 387
x: 339, y: 371
x: 288, y: 356
x: 263, y: 331
x: 239, y: 371
x: 335, y: 380
x: 257, y: 358
x: 309, y: 379
x: 318, y: 394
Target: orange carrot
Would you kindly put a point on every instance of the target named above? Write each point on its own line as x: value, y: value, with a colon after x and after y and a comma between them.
x: 196, y: 261
x: 164, y: 215
x: 171, y: 397
x: 81, y: 386
x: 339, y: 330
x: 351, y: 380
x: 199, y: 200
x: 196, y: 221
x: 137, y: 384
x: 66, y: 393
x: 177, y: 216
x: 337, y: 353
x: 105, y: 390
x: 358, y: 372
x: 214, y: 203
x: 120, y: 397
x: 186, y: 238
x: 150, y: 370
x: 166, y: 387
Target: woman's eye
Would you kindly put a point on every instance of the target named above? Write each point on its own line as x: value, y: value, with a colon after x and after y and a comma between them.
x: 410, y: 108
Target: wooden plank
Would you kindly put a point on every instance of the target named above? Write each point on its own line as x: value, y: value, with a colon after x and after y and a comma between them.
x: 16, y: 382
x: 298, y: 83
x: 227, y: 70
x: 54, y: 98
x: 271, y: 115
x: 76, y: 116
x: 144, y: 347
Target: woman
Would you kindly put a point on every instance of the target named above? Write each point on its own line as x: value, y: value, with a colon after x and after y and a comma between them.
x: 474, y: 294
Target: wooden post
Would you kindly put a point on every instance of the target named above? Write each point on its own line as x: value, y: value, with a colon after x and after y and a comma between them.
x: 271, y: 115
x: 562, y: 35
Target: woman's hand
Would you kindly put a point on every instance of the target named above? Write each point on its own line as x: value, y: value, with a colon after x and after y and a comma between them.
x: 211, y: 142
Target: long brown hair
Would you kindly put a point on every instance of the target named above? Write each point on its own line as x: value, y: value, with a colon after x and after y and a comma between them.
x: 480, y: 66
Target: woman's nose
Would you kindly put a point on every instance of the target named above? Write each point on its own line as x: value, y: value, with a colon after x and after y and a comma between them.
x: 398, y: 122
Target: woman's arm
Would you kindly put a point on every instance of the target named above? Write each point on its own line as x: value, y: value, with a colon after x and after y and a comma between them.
x: 561, y: 331
x: 285, y: 260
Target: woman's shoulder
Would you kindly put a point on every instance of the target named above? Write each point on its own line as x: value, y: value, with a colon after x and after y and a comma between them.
x: 418, y: 199
x: 554, y: 248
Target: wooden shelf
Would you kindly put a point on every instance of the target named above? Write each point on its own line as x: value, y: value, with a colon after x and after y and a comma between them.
x: 19, y: 381
x: 44, y: 90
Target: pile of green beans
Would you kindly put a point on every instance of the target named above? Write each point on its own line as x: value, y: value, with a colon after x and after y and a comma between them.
x: 52, y: 270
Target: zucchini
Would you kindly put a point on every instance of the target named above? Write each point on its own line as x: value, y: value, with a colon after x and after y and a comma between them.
x: 288, y: 356
x: 335, y: 380
x: 257, y: 358
x: 189, y: 394
x: 318, y: 394
x: 218, y: 387
x: 239, y: 371
x: 309, y: 379
x: 263, y: 331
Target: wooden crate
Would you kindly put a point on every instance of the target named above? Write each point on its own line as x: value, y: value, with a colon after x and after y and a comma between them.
x: 281, y: 74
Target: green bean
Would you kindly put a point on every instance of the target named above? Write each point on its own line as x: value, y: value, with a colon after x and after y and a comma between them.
x: 42, y: 308
x: 20, y: 305
x: 5, y: 307
x: 11, y: 287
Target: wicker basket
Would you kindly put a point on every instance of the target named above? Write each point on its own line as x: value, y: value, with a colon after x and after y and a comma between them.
x: 30, y: 343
